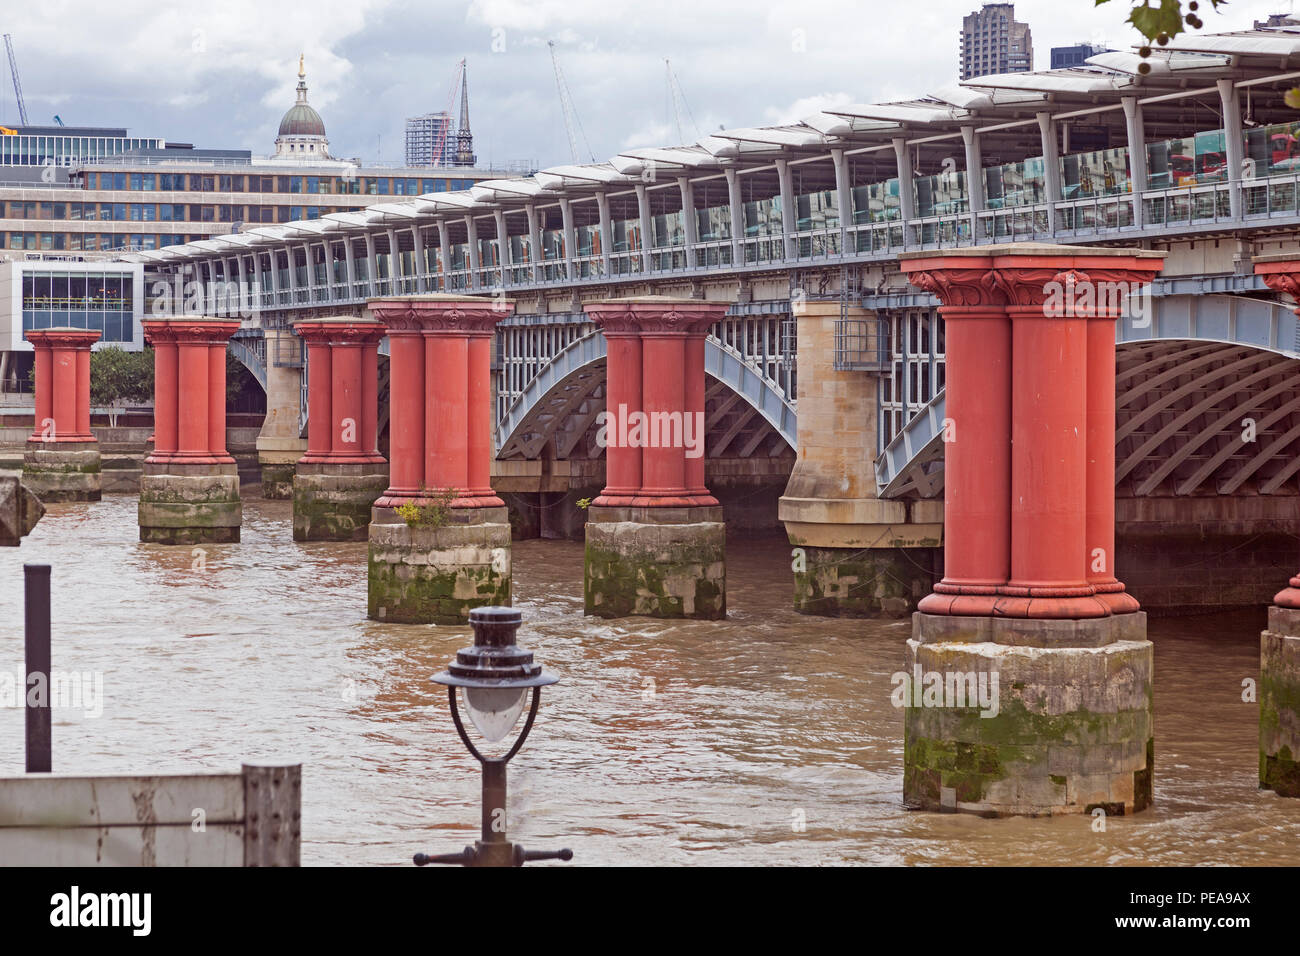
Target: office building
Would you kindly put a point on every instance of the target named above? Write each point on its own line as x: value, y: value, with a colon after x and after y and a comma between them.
x: 992, y: 42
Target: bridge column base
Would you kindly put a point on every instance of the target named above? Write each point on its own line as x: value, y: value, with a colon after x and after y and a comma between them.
x: 190, y: 503
x: 1279, y: 703
x: 861, y: 557
x: 63, y: 470
x: 655, y: 562
x: 1061, y: 723
x: 277, y: 458
x: 861, y: 582
x: 20, y: 509
x: 332, y: 502
x: 423, y: 572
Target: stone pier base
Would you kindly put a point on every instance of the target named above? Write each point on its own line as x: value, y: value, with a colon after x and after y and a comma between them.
x: 20, y: 509
x: 424, y: 573
x: 656, y: 562
x: 190, y: 503
x: 1279, y: 703
x: 1065, y: 725
x: 277, y: 479
x: 63, y: 471
x: 332, y: 502
x: 861, y: 582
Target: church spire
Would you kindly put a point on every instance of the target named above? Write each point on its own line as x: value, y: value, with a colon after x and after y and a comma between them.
x: 302, y: 80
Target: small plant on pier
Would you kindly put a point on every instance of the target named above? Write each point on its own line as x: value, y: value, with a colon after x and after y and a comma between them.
x: 583, y: 503
x: 431, y: 515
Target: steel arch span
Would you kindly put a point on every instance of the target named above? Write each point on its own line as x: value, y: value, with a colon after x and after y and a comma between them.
x: 562, y: 401
x: 1207, y: 401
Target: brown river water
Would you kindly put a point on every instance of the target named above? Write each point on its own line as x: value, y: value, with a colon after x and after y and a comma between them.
x: 665, y: 743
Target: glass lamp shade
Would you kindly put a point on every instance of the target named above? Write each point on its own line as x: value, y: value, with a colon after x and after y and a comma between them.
x: 494, y: 710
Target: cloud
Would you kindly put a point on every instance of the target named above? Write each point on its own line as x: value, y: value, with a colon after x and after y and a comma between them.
x: 222, y: 75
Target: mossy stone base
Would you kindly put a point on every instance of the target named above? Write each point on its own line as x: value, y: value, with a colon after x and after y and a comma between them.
x: 426, y: 575
x: 333, y: 502
x: 201, y: 506
x: 63, y: 471
x: 858, y: 582
x: 1279, y: 703
x: 1070, y: 729
x: 20, y: 509
x: 655, y: 562
x: 277, y: 482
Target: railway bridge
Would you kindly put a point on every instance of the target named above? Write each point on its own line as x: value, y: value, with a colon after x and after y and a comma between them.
x: 824, y: 405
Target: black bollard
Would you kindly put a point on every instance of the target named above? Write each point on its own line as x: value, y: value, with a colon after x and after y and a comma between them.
x: 36, y: 633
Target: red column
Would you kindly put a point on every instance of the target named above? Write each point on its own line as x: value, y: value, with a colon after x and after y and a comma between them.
x: 192, y: 405
x: 479, y: 478
x: 977, y: 433
x: 342, y: 389
x: 440, y: 396
x: 663, y: 392
x: 83, y: 392
x: 654, y: 399
x: 1049, y: 449
x: 370, y: 398
x: 319, y: 390
x: 1121, y: 277
x: 405, y: 408
x: 695, y: 388
x: 190, y: 389
x: 622, y: 396
x: 166, y: 376
x: 217, y: 400
x: 62, y: 383
x: 1029, y: 473
x: 446, y: 424
x: 44, y: 387
x: 1282, y: 275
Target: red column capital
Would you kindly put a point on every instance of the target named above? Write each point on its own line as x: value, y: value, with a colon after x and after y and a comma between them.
x: 63, y: 338
x: 655, y: 314
x: 441, y: 313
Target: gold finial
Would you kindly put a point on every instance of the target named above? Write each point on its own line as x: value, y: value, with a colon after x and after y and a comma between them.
x: 301, y: 71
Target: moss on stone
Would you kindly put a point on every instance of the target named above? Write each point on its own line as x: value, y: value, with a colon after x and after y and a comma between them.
x: 849, y: 582
x: 421, y: 594
x: 631, y: 580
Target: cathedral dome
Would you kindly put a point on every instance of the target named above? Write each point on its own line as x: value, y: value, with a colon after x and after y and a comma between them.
x: 302, y: 131
x: 302, y: 120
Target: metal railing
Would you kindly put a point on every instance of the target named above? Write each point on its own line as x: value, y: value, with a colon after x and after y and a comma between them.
x: 1168, y: 209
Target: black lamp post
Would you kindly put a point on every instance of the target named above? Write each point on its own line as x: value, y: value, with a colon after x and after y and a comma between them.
x: 495, y: 677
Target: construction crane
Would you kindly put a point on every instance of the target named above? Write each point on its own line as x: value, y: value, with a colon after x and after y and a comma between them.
x: 678, y: 100
x: 18, y: 86
x: 571, y: 121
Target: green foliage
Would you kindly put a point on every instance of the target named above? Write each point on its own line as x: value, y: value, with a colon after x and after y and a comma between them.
x: 118, y: 376
x: 583, y: 503
x: 431, y: 515
x: 237, y: 376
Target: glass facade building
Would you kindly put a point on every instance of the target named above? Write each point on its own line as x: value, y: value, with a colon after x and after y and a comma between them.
x: 104, y: 301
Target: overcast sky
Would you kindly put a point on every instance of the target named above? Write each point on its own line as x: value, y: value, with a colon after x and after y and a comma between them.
x: 222, y: 74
